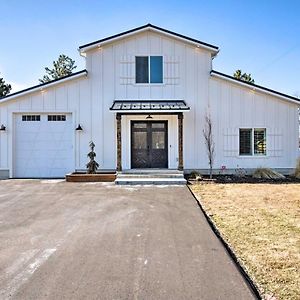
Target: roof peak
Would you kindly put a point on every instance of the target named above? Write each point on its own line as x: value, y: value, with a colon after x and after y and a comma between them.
x: 91, y: 45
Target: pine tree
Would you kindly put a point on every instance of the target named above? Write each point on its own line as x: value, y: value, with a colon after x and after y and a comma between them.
x: 61, y: 68
x: 243, y: 76
x: 5, y: 88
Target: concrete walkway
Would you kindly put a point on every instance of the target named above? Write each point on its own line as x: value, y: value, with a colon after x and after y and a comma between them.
x: 63, y: 240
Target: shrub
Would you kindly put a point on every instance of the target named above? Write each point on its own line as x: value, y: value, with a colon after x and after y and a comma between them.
x: 297, y: 170
x: 195, y: 175
x: 266, y: 173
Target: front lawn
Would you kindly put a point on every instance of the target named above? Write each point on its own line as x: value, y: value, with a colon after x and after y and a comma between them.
x: 261, y: 223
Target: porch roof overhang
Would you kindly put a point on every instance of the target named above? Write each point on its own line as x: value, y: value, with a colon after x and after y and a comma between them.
x: 149, y: 106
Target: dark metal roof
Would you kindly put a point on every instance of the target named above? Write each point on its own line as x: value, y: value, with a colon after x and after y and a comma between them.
x: 148, y: 105
x: 43, y: 84
x: 154, y: 27
x: 255, y: 85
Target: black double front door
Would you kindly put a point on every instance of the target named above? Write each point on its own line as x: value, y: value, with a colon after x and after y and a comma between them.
x: 149, y: 144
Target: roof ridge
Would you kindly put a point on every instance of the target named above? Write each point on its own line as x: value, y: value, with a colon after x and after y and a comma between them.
x: 150, y: 26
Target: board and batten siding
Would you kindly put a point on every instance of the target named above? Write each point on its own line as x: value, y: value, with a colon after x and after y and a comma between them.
x: 186, y: 73
x: 234, y: 107
x: 69, y: 97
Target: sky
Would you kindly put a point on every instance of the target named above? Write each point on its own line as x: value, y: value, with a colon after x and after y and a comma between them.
x: 261, y: 37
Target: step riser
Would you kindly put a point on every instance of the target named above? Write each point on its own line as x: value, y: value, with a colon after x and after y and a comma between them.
x: 150, y: 182
x: 129, y: 176
x: 151, y: 172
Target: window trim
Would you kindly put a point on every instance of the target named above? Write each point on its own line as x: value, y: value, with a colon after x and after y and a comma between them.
x: 253, y: 155
x: 149, y: 70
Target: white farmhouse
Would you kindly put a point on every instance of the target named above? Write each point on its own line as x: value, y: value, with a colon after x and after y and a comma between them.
x: 142, y: 100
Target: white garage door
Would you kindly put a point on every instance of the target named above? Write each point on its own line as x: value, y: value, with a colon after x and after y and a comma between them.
x: 43, y: 145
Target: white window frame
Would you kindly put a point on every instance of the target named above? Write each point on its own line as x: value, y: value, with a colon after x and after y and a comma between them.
x: 149, y: 71
x: 252, y: 142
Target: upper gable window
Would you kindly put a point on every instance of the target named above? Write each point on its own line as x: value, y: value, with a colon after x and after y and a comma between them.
x: 149, y: 69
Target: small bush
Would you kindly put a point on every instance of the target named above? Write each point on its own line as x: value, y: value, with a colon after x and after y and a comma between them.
x: 240, y: 172
x: 195, y: 175
x: 266, y: 173
x: 297, y: 170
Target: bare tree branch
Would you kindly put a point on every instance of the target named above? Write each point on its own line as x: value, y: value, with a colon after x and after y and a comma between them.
x: 209, y: 142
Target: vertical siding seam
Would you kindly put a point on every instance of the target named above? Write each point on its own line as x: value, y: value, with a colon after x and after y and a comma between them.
x: 102, y: 103
x: 79, y: 116
x: 91, y: 99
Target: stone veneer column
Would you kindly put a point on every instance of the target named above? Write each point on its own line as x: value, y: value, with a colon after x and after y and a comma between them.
x: 119, y: 142
x: 180, y: 141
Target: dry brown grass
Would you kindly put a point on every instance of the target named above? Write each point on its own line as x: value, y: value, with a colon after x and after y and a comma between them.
x: 261, y: 222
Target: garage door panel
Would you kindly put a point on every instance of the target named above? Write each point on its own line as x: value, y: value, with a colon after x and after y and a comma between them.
x: 43, y: 148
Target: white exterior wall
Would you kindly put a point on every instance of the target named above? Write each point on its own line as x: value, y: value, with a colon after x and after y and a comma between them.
x: 68, y: 97
x: 235, y: 107
x: 187, y: 77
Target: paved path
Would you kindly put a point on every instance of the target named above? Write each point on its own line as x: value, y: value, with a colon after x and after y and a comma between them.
x: 63, y: 240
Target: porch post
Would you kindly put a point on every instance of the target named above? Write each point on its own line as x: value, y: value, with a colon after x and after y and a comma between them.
x: 119, y: 142
x: 180, y: 141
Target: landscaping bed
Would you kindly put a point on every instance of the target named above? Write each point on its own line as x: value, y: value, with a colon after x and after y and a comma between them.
x: 225, y: 179
x: 250, y: 179
x: 84, y: 177
x: 261, y: 224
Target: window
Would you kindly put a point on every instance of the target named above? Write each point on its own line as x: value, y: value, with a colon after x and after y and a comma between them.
x: 56, y: 117
x: 260, y: 141
x: 253, y: 141
x: 245, y: 141
x: 149, y: 69
x: 26, y: 118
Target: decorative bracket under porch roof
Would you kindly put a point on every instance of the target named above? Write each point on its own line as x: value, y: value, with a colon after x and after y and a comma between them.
x: 149, y: 106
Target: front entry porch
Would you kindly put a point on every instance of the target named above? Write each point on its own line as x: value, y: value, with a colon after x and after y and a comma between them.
x: 149, y: 139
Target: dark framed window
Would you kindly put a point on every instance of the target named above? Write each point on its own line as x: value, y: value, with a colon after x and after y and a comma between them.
x: 260, y: 141
x: 29, y: 118
x: 56, y: 117
x: 246, y: 141
x: 253, y: 141
x: 142, y: 69
x: 149, y: 69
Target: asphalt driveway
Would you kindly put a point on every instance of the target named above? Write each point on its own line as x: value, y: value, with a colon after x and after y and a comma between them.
x: 63, y: 240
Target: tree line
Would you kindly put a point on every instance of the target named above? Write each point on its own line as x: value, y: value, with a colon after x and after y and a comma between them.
x: 62, y: 67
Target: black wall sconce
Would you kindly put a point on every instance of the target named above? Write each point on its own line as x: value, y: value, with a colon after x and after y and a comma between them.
x: 79, y: 128
x: 2, y: 128
x: 149, y: 117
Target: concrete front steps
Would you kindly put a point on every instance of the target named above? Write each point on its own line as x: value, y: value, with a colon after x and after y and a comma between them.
x: 151, y: 176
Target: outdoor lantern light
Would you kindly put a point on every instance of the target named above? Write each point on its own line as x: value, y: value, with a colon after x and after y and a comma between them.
x: 79, y: 128
x: 2, y: 128
x: 149, y: 117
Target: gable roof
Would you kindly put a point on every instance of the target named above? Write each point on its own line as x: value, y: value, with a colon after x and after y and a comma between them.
x: 46, y: 84
x: 255, y: 86
x: 146, y: 27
